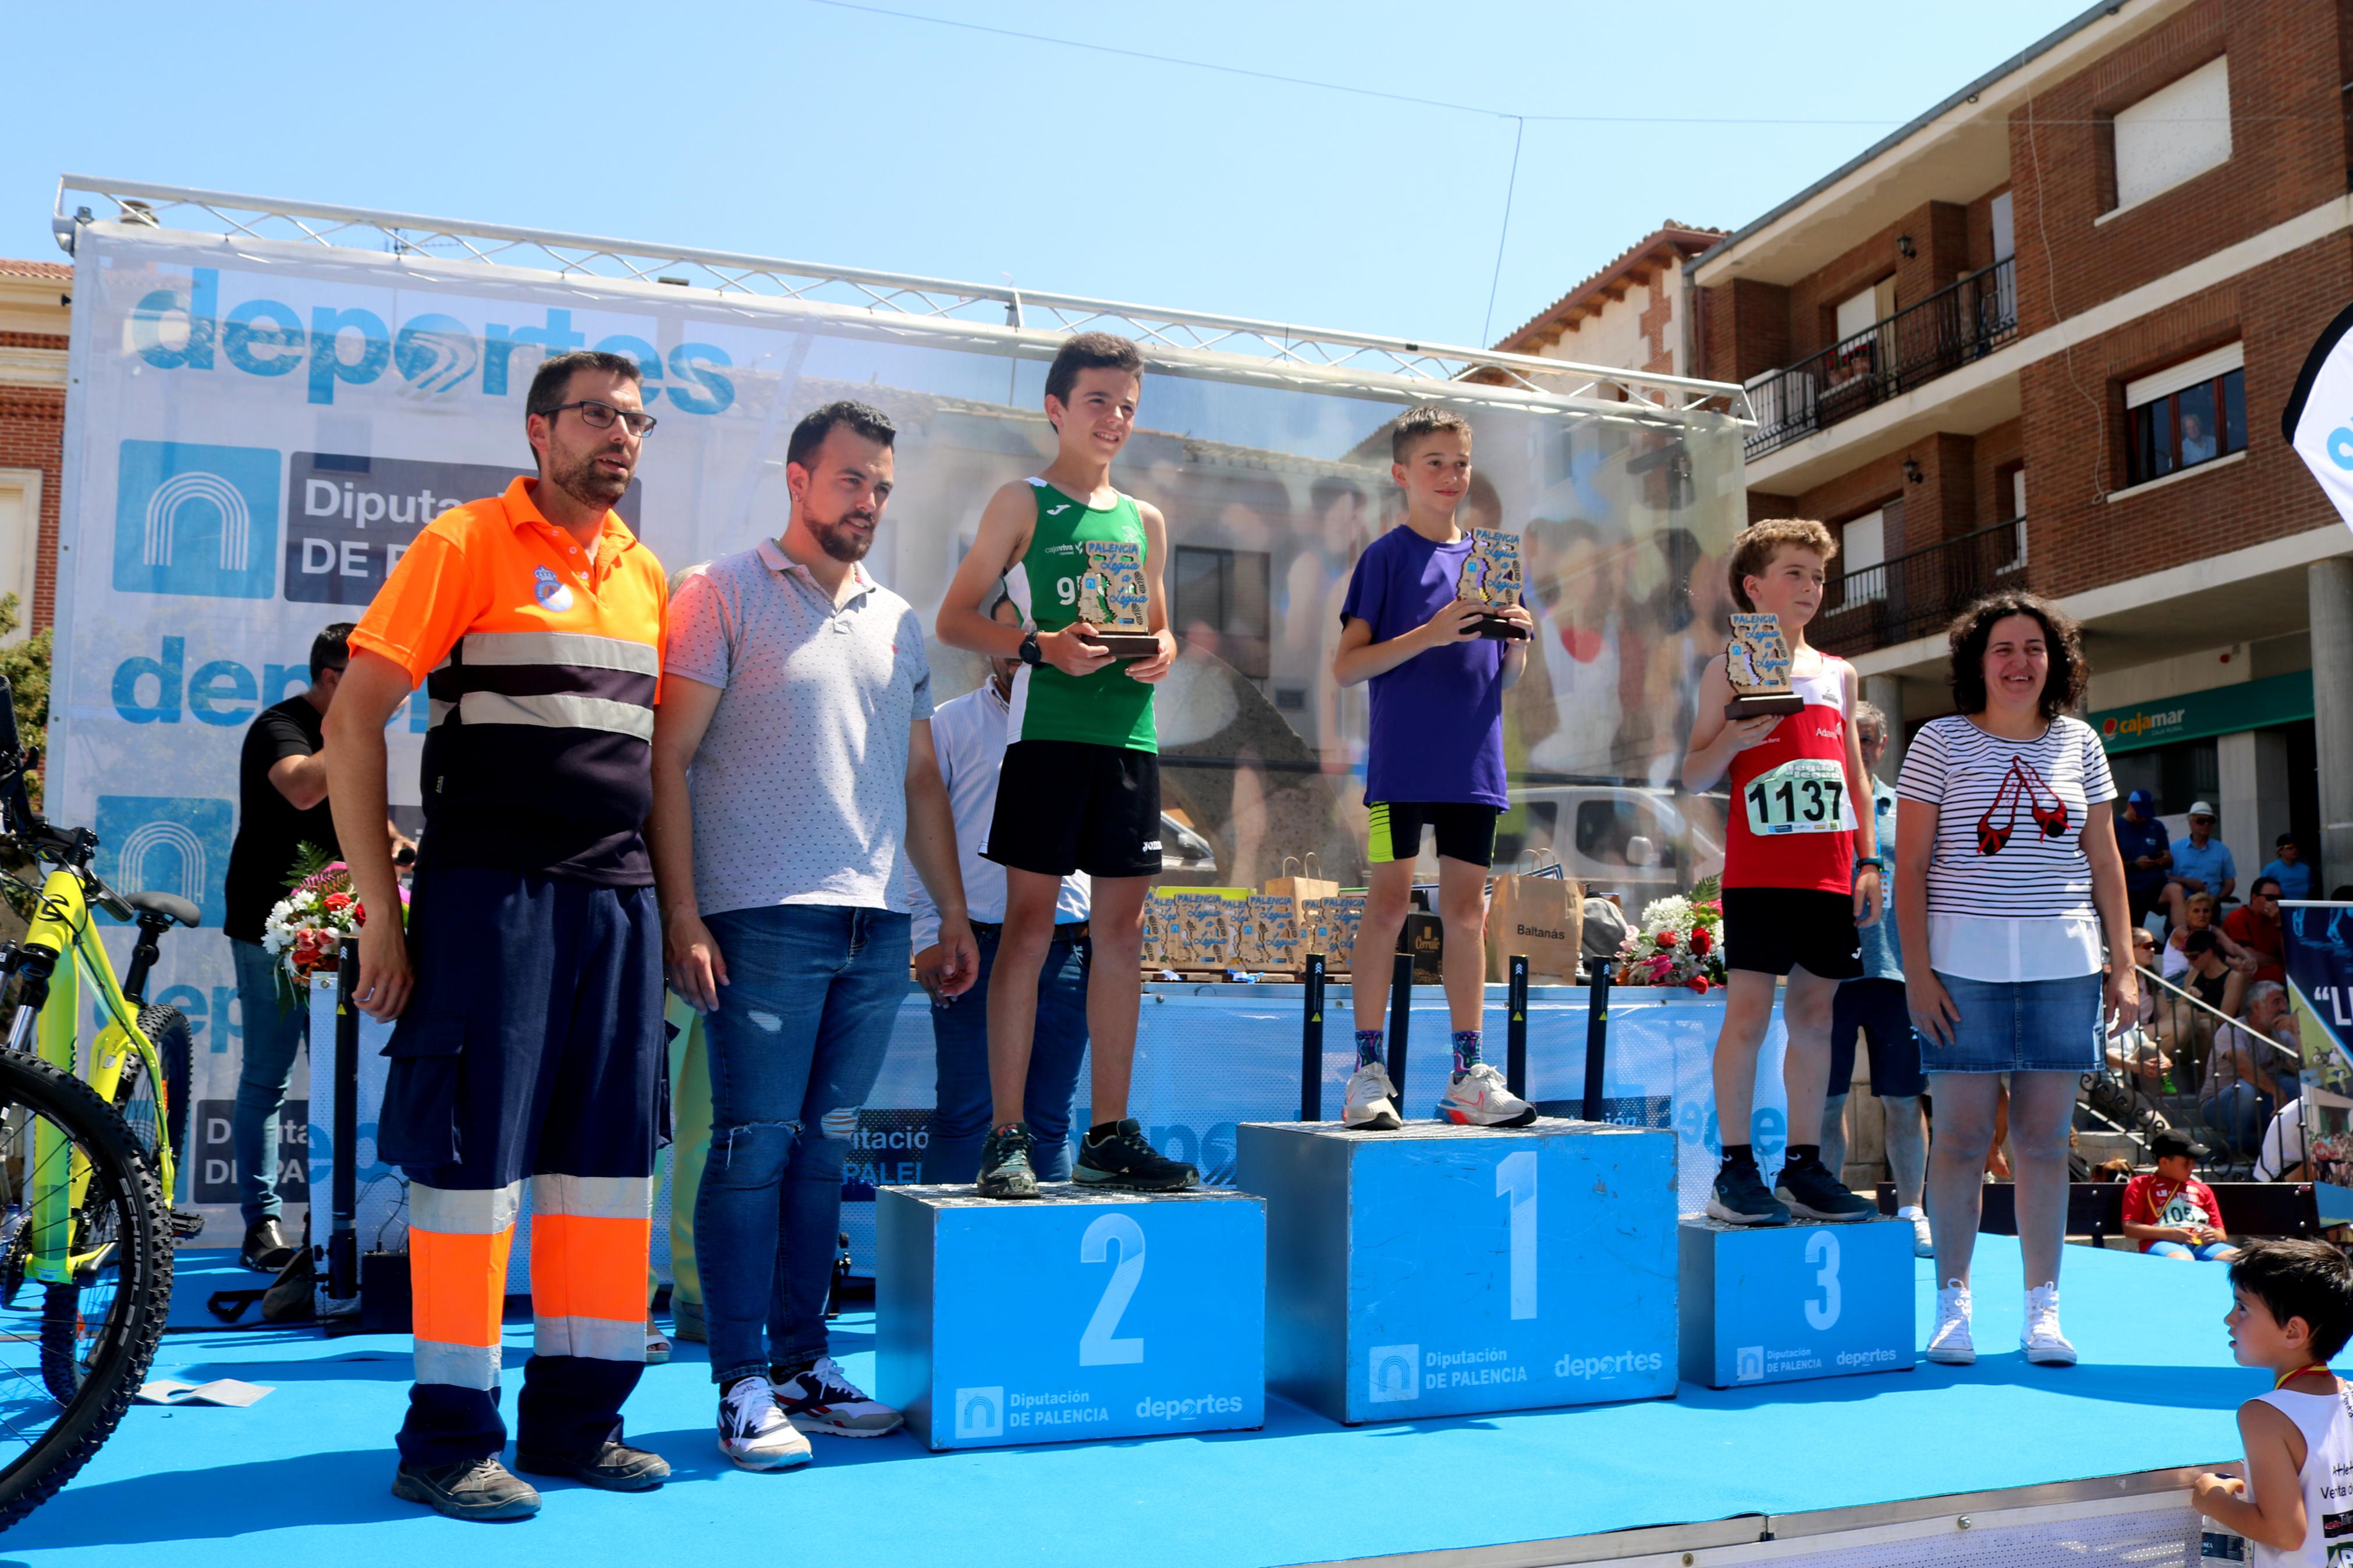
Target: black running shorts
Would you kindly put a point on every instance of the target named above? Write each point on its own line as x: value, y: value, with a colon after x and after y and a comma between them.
x: 1071, y: 805
x: 1775, y: 930
x: 1465, y: 829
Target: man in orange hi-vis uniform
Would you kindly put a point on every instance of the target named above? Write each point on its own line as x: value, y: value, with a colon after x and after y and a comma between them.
x: 530, y: 1045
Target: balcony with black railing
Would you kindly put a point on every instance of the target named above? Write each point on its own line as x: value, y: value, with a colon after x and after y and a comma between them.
x: 1965, y: 322
x: 1917, y: 593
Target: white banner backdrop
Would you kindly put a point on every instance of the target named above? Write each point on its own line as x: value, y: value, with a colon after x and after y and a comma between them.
x: 257, y: 429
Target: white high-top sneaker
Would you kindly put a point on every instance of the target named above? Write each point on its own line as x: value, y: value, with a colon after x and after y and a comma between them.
x: 1372, y: 1100
x: 2044, y: 1345
x: 1950, y: 1345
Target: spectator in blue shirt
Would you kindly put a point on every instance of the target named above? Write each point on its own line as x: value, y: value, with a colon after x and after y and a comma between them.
x: 2144, y: 845
x: 2288, y: 869
x: 2201, y: 862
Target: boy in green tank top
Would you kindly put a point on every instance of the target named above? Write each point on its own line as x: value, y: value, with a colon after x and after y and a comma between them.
x: 1080, y: 787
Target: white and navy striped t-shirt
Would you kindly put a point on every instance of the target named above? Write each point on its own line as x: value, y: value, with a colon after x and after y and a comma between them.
x: 2009, y: 816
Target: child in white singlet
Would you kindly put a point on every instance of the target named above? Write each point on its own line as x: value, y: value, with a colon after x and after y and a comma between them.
x: 2292, y: 1309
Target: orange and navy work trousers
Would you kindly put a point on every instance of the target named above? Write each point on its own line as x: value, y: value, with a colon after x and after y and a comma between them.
x: 529, y: 1061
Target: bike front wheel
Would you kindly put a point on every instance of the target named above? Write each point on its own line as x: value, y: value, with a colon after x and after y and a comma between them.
x: 72, y: 1350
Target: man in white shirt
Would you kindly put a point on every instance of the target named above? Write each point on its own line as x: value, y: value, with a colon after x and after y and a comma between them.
x: 968, y: 737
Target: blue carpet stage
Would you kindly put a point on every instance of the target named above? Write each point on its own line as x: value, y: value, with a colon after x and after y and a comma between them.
x: 302, y: 1475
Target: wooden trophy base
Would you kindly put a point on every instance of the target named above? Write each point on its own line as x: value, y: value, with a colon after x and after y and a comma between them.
x: 1498, y: 627
x: 1127, y: 644
x: 1761, y: 704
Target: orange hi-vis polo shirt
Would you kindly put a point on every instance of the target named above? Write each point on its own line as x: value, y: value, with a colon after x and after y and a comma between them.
x: 542, y: 667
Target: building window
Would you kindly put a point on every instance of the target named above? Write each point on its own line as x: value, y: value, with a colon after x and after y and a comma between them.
x: 2177, y: 132
x: 2190, y: 413
x: 1863, y: 558
x: 1220, y: 604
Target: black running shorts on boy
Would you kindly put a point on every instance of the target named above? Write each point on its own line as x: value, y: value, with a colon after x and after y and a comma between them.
x: 1775, y: 930
x: 1465, y: 829
x: 1072, y: 805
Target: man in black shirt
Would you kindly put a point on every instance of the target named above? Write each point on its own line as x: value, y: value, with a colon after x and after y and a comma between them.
x: 282, y: 804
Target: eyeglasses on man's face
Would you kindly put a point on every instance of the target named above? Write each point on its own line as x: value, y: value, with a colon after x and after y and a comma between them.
x: 601, y: 415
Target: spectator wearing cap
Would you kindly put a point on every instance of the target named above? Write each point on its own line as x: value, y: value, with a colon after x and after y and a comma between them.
x: 2288, y: 868
x: 2171, y: 1212
x: 2255, y: 926
x: 2148, y: 853
x: 2201, y: 862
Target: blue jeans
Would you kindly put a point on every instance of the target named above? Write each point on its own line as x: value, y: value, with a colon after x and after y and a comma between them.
x: 1058, y: 1047
x: 272, y: 1034
x: 2209, y: 1253
x: 2237, y: 1110
x: 795, y: 1047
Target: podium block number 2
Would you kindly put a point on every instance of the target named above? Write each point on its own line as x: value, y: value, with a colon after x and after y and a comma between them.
x: 1096, y: 1345
x: 1822, y: 1250
x: 1515, y: 1177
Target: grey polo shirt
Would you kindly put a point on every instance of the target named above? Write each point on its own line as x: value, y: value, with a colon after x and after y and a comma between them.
x: 800, y: 787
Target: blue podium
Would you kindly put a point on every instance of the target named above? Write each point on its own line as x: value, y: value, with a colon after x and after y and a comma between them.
x: 1445, y: 1270
x: 1780, y: 1303
x: 1084, y: 1313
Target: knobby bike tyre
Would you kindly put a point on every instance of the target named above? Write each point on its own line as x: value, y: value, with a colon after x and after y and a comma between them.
x: 59, y: 1434
x: 167, y: 1030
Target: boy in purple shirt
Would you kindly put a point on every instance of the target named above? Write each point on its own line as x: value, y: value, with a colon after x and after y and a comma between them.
x: 1436, y: 757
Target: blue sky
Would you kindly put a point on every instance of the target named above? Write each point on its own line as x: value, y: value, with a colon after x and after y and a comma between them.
x: 822, y: 132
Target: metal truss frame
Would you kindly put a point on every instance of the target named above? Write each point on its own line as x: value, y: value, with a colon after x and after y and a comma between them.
x: 140, y: 203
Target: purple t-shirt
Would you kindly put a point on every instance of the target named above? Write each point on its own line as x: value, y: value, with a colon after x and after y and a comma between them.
x: 1438, y: 718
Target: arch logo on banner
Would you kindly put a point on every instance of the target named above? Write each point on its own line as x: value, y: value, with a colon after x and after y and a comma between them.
x: 191, y: 519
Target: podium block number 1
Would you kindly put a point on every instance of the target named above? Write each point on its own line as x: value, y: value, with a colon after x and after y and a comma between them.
x: 1096, y: 1345
x: 1822, y: 1250
x: 1515, y: 1177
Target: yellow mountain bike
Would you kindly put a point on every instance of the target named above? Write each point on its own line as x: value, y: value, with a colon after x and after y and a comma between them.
x: 89, y: 1132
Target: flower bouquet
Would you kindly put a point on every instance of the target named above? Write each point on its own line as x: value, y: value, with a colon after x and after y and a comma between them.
x: 305, y: 930
x: 1680, y: 942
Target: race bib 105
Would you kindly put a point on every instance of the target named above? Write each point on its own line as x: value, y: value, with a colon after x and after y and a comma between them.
x: 1807, y: 796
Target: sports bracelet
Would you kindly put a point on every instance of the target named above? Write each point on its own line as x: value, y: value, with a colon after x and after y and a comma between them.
x: 1874, y: 861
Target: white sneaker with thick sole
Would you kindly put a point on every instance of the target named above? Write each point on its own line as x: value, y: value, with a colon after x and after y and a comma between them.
x: 1922, y: 1243
x: 753, y: 1433
x: 1950, y: 1345
x: 823, y: 1399
x: 1478, y: 1096
x: 2043, y: 1343
x: 1372, y: 1100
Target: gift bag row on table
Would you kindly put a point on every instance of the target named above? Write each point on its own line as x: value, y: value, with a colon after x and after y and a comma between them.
x: 1434, y: 1271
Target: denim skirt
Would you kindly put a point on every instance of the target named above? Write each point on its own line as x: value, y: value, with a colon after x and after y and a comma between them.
x: 2026, y: 1026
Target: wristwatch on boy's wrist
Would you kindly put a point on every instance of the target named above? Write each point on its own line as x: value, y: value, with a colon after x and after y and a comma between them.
x: 1874, y: 861
x: 1030, y: 653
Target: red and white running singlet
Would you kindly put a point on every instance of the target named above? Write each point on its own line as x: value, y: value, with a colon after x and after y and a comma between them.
x: 1792, y: 823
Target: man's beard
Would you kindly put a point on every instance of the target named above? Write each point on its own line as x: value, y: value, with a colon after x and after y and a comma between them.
x: 586, y: 483
x: 839, y: 541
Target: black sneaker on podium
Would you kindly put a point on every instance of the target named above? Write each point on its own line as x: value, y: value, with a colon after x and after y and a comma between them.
x: 1739, y: 1196
x: 1123, y: 1158
x: 1812, y: 1193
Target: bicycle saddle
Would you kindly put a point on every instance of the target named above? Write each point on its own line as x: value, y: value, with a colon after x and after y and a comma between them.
x: 169, y: 905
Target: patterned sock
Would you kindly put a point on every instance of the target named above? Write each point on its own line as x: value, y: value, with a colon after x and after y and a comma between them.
x: 1739, y: 1154
x: 1466, y: 1049
x: 1368, y: 1047
x: 1802, y: 1154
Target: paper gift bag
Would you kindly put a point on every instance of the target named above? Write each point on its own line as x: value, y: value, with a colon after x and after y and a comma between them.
x: 1539, y: 915
x: 1311, y: 885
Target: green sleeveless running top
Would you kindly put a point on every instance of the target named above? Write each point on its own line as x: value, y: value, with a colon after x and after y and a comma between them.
x: 1105, y: 708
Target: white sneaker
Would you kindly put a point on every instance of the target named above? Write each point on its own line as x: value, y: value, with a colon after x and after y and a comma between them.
x: 823, y: 1399
x: 753, y: 1433
x: 1922, y: 1243
x: 1372, y: 1100
x: 2043, y: 1343
x: 1950, y: 1345
x: 1477, y: 1097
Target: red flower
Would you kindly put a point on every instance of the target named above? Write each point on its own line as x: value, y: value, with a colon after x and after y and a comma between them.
x: 1699, y: 983
x: 1700, y: 940
x: 338, y: 902
x: 1666, y: 940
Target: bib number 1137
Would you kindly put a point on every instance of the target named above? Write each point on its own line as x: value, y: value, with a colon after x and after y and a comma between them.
x: 1807, y: 796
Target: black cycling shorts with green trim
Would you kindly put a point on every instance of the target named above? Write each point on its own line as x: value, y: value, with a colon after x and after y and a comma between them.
x: 1465, y: 829
x: 1072, y: 805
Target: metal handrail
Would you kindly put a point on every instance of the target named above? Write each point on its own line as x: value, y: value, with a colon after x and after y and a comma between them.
x: 881, y: 293
x: 1910, y: 595
x: 2203, y: 1005
x: 1964, y: 320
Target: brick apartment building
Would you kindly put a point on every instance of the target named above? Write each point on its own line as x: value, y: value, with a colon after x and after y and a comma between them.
x: 33, y: 324
x: 2042, y: 336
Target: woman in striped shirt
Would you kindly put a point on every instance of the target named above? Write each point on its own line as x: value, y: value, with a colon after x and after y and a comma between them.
x: 2007, y: 879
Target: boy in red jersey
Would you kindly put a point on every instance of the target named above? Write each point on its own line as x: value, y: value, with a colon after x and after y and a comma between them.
x: 1801, y: 874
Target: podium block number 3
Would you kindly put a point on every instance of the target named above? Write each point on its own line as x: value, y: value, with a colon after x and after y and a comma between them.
x: 1515, y: 1178
x: 1822, y: 1250
x: 1096, y: 1346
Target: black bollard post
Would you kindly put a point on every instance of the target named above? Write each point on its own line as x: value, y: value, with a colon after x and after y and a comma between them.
x: 1401, y: 1020
x: 1596, y: 1033
x: 1515, y: 1028
x: 1310, y: 1042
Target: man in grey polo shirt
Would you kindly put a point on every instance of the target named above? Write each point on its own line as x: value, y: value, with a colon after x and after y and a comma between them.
x: 796, y: 690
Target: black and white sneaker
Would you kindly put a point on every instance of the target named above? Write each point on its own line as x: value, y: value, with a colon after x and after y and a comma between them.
x: 1739, y: 1196
x: 823, y: 1399
x: 1124, y: 1159
x: 1004, y: 1171
x: 1812, y: 1193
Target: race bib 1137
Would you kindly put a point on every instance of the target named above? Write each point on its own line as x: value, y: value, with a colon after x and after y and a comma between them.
x: 1805, y: 795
